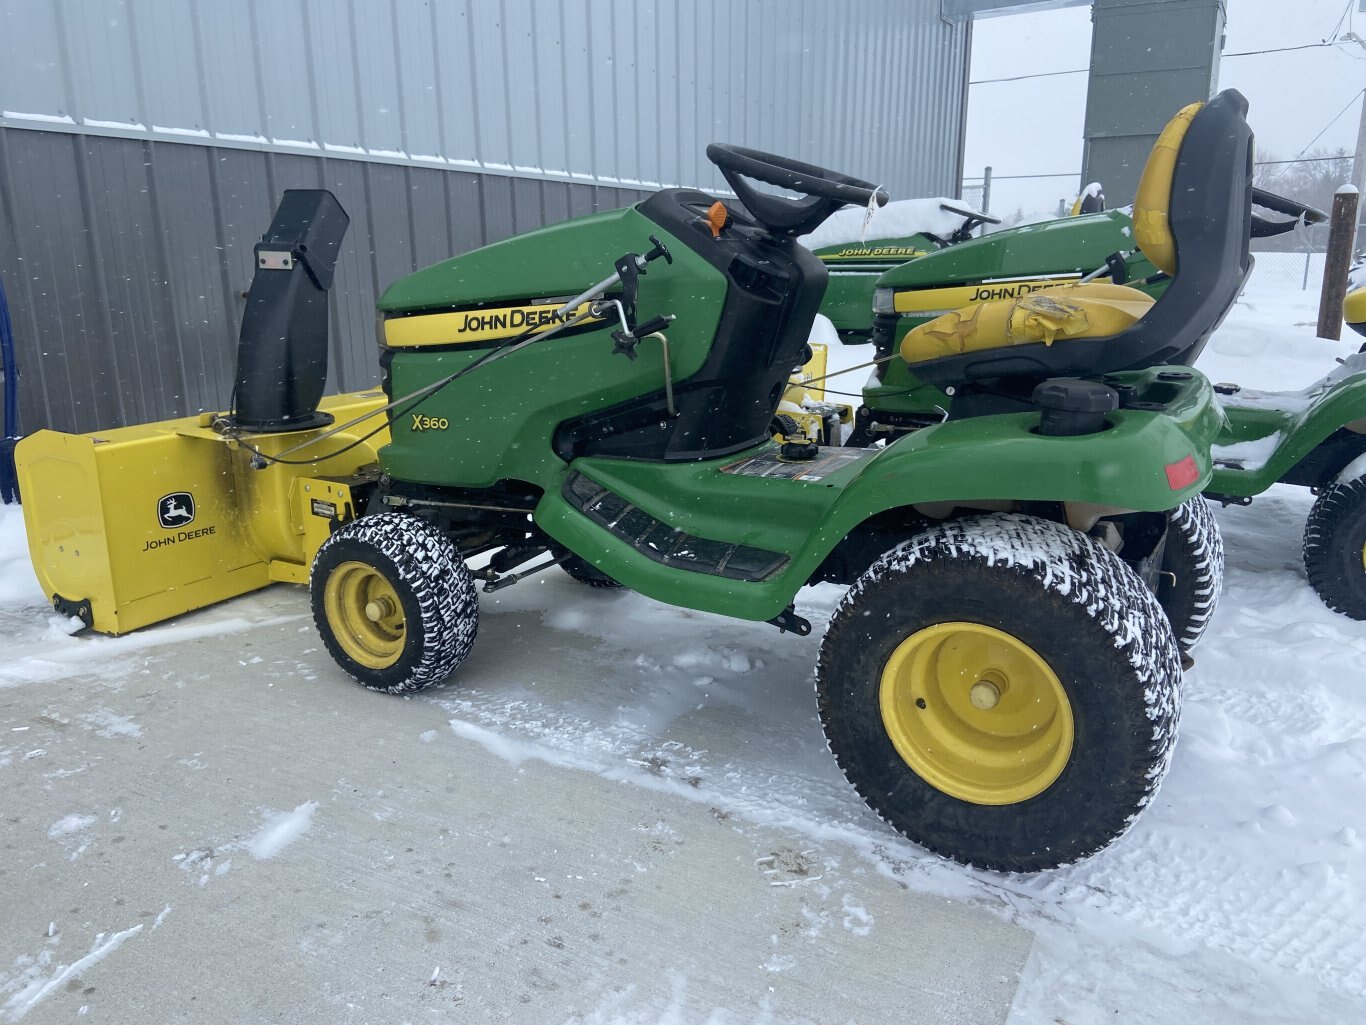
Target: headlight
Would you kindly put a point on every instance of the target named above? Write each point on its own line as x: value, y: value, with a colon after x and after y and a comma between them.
x: 884, y: 300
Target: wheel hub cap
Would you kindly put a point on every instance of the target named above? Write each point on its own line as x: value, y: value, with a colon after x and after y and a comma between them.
x: 379, y: 609
x: 365, y: 614
x: 985, y: 695
x: 976, y: 713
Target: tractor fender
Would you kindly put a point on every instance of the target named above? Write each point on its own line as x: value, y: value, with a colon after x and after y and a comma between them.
x: 1141, y: 463
x: 1317, y: 431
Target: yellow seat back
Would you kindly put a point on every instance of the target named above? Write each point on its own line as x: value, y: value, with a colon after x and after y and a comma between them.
x: 1354, y: 310
x: 1153, y: 201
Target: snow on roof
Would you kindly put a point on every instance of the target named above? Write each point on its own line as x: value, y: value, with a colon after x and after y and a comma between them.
x: 897, y: 219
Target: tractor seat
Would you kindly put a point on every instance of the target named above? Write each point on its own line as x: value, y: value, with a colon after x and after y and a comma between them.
x: 1192, y: 212
x: 1354, y: 310
x: 1091, y: 312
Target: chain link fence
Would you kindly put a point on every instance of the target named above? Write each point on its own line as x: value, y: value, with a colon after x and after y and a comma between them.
x: 1288, y: 272
x: 1293, y: 261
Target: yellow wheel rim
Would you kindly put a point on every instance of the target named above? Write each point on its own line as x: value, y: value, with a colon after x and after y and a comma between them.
x: 365, y: 614
x: 976, y: 713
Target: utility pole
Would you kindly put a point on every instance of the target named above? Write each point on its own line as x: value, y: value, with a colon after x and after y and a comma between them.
x: 1359, y: 161
x: 986, y: 186
x: 1341, y: 230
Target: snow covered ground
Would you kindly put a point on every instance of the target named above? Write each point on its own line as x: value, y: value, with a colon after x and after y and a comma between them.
x: 1239, y: 896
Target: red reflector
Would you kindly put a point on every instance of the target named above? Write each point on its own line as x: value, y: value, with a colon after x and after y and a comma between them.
x: 1183, y: 474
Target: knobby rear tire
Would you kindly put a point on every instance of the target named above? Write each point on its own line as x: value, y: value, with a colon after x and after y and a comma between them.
x: 1090, y: 618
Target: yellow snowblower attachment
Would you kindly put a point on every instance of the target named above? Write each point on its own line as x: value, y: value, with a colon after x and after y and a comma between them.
x: 131, y: 526
x: 804, y: 401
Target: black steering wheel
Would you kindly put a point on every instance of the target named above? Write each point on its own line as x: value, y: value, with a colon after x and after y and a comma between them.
x: 1262, y: 227
x: 824, y: 191
x: 972, y: 220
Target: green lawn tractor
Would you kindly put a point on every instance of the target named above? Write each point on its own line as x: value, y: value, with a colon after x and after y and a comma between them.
x: 926, y: 226
x: 1000, y: 682
x: 1001, y: 628
x: 1315, y: 437
x: 1011, y: 264
x: 883, y: 287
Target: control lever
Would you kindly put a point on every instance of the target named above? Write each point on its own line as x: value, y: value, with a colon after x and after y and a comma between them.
x: 626, y: 341
x: 629, y: 268
x: 660, y: 249
x: 630, y: 259
x: 1119, y: 268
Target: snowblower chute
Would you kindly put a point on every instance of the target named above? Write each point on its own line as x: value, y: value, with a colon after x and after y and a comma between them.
x: 131, y: 526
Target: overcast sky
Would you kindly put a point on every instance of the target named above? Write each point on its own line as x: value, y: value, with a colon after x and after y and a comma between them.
x: 1292, y: 95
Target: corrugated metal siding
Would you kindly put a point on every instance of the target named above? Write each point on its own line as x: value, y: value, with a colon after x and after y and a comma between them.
x: 125, y: 261
x: 144, y: 143
x: 606, y: 91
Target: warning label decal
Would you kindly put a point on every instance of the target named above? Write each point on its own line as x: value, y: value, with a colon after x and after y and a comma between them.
x: 770, y: 464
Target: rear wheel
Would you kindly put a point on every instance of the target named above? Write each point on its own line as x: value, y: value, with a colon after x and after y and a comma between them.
x: 1192, y: 570
x: 1003, y: 691
x: 394, y: 602
x: 1335, y: 547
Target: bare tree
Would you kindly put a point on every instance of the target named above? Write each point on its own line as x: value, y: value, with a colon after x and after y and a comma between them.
x: 1311, y: 179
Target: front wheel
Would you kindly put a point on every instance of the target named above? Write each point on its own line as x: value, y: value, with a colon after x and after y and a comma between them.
x: 1335, y: 547
x: 394, y: 602
x: 1003, y: 691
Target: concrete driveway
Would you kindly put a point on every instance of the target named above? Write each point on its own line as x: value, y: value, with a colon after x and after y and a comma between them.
x: 207, y: 822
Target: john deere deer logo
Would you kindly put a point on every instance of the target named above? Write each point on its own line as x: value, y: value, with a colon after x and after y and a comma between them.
x: 175, y: 509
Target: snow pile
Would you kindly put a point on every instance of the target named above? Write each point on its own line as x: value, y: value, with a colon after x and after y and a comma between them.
x: 70, y: 824
x: 898, y: 219
x: 823, y: 333
x: 17, y: 581
x: 281, y: 830
x: 1246, y: 455
x: 1268, y: 342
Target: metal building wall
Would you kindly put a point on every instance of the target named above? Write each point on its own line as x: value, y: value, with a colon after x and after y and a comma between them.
x: 143, y: 144
x: 126, y: 261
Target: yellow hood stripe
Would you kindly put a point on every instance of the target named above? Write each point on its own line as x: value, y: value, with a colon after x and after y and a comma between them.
x: 467, y: 326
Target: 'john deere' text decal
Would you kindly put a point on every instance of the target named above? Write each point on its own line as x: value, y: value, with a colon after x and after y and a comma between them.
x: 492, y: 323
x: 874, y: 253
x: 926, y: 300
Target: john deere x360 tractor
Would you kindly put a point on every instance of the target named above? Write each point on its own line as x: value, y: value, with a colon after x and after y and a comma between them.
x: 1000, y: 682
